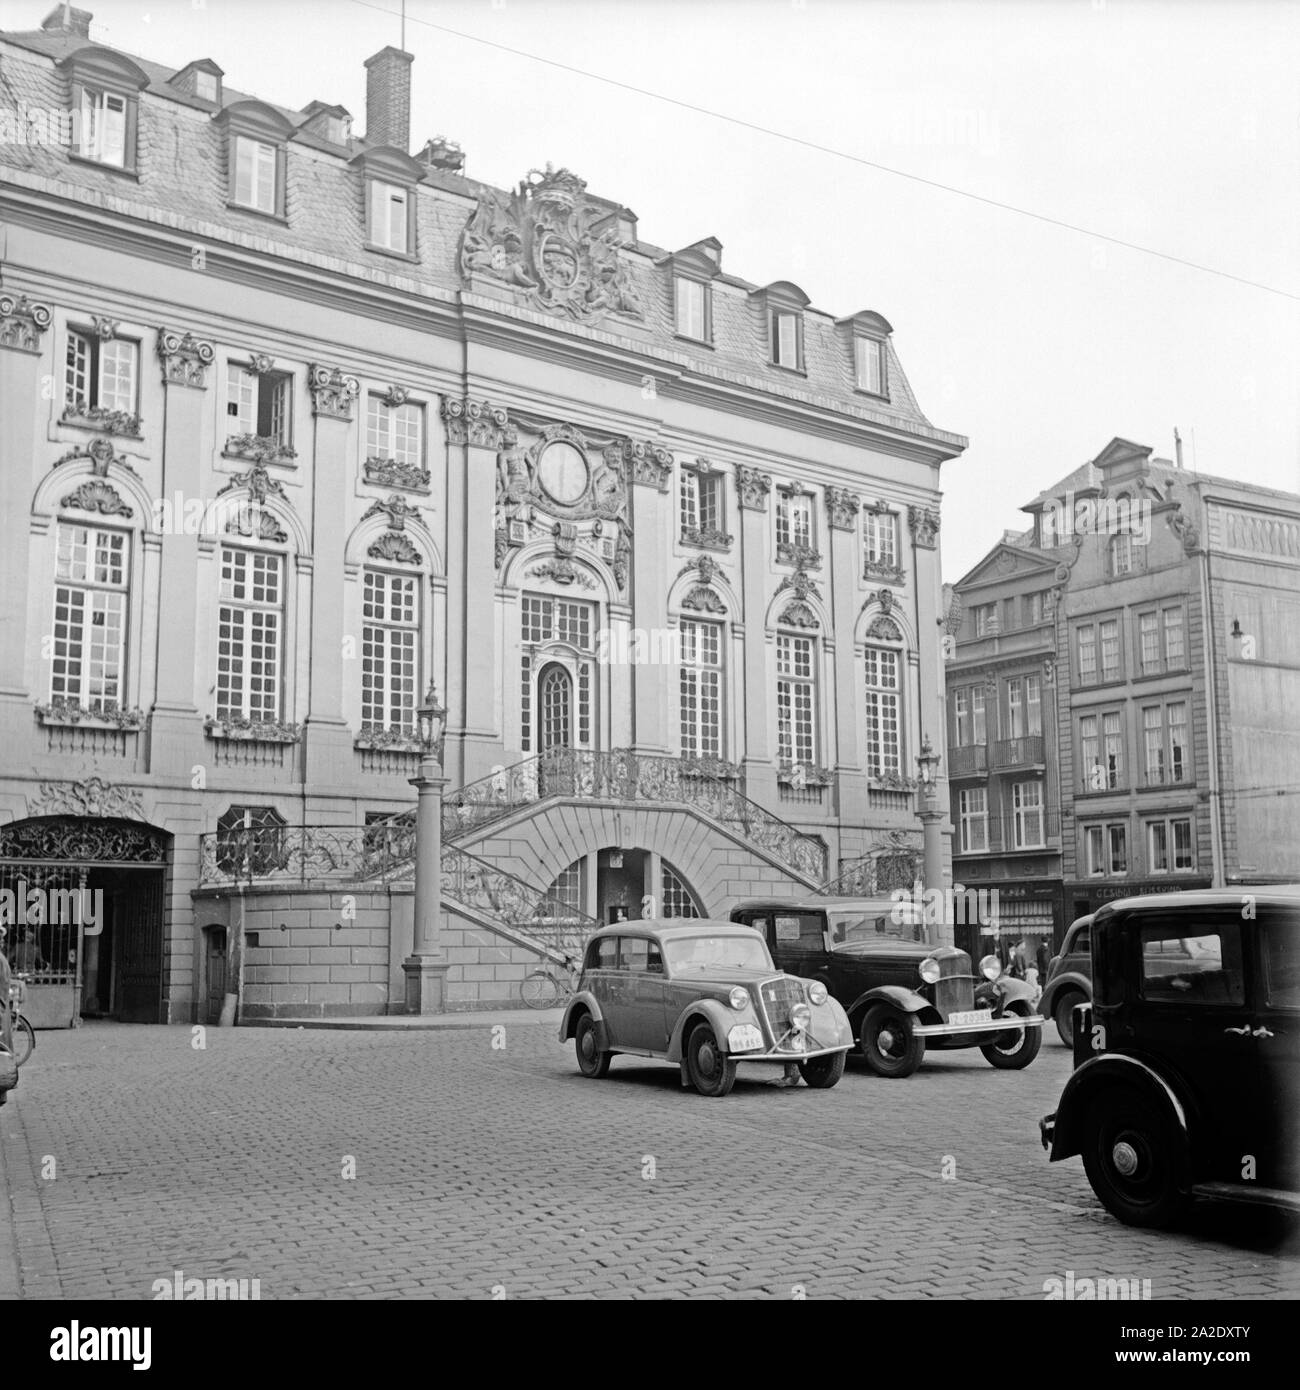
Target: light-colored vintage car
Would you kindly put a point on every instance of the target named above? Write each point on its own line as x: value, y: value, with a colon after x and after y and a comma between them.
x: 703, y: 994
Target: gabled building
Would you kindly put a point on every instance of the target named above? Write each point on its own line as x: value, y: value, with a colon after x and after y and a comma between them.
x: 297, y: 422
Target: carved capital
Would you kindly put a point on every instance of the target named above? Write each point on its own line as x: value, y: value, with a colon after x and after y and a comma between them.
x: 923, y: 522
x: 332, y: 391
x: 480, y: 423
x: 185, y: 359
x: 22, y: 321
x: 842, y: 508
x: 753, y: 487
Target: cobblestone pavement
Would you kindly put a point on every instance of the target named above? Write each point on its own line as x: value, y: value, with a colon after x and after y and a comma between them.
x: 485, y: 1171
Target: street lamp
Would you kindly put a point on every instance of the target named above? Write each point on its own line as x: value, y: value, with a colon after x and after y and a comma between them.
x: 927, y: 768
x: 426, y: 967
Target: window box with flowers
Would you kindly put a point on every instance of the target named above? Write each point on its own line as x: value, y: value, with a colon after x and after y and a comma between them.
x: 252, y: 730
x: 83, y: 415
x: 392, y: 740
x: 109, y: 716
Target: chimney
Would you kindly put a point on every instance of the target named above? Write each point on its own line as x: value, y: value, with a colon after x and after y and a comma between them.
x: 388, y: 98
x: 63, y: 19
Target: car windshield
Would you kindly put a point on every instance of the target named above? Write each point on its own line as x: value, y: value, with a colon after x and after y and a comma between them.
x: 901, y: 922
x: 698, y: 954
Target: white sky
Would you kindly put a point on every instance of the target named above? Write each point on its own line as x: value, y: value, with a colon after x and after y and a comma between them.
x: 1171, y: 123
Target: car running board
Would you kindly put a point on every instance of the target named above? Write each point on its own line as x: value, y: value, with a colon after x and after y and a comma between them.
x: 1248, y: 1192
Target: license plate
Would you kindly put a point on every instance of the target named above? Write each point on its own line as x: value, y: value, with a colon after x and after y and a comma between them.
x: 972, y: 1016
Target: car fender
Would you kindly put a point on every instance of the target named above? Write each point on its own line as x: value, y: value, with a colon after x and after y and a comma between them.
x: 1097, y: 1075
x: 584, y: 1002
x: 1071, y: 980
x: 709, y: 1011
x: 899, y: 995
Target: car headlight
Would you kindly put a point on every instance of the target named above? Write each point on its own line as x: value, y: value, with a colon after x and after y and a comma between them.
x: 738, y: 998
x: 801, y: 1017
x: 817, y: 992
x: 990, y: 967
x: 929, y: 970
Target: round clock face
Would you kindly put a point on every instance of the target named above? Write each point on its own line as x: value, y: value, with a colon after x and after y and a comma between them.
x: 562, y: 471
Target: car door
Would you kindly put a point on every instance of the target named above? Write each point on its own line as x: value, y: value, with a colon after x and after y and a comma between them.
x: 1195, y: 1019
x: 643, y: 1017
x: 1277, y: 1036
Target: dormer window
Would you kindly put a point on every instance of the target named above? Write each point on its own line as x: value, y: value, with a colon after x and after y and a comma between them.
x: 388, y: 180
x: 257, y: 133
x: 105, y: 100
x: 784, y: 305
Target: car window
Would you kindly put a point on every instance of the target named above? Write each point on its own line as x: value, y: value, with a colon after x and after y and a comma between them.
x: 1204, y: 969
x: 641, y: 955
x: 602, y: 954
x: 1281, y: 960
x: 799, y: 931
x: 699, y: 954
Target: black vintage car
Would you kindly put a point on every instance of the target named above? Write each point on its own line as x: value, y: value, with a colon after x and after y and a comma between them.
x: 1187, y: 1061
x: 900, y: 993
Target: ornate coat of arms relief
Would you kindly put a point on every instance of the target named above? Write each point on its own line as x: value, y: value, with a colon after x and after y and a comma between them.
x: 547, y: 241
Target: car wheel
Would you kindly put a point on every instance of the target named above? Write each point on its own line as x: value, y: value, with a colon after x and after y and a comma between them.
x: 591, y: 1060
x: 821, y: 1073
x: 1063, y: 1015
x: 712, y: 1071
x: 888, y: 1043
x: 1132, y: 1155
x: 1011, y: 1051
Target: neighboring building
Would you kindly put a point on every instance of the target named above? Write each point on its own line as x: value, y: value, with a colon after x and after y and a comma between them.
x: 296, y: 422
x: 1162, y: 608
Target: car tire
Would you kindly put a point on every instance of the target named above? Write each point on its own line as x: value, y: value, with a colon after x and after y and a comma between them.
x: 591, y: 1060
x: 888, y: 1042
x: 1063, y: 1014
x: 711, y: 1070
x: 1017, y: 1051
x: 1126, y: 1130
x: 821, y: 1073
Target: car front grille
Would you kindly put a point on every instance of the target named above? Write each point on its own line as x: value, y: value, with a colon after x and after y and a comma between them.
x: 779, y: 997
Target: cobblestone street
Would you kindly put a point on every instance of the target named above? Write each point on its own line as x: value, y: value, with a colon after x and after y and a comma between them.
x: 485, y: 1171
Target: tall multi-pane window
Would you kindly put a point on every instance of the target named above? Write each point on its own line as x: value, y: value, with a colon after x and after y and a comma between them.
x: 254, y: 184
x: 1108, y: 632
x: 794, y: 519
x: 1027, y: 806
x: 101, y: 372
x: 884, y: 695
x: 257, y: 403
x: 880, y: 538
x: 103, y: 127
x: 395, y: 432
x: 89, y: 634
x: 390, y: 644
x: 249, y: 626
x: 796, y: 699
x: 701, y: 689
x: 973, y: 813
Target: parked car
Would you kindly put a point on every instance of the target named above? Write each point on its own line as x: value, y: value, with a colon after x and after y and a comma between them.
x: 900, y: 993
x: 703, y: 994
x: 1069, y: 979
x: 1187, y: 1061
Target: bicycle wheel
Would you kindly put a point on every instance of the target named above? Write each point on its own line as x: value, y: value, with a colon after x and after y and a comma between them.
x: 540, y: 990
x: 24, y: 1040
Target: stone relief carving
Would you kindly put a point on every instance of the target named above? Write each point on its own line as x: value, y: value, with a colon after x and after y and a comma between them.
x: 550, y: 243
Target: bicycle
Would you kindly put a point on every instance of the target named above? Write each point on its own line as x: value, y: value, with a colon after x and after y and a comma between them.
x: 24, y: 1035
x: 551, y: 985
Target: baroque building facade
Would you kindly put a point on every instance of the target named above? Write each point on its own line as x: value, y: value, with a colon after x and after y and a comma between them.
x: 1135, y: 657
x: 296, y: 424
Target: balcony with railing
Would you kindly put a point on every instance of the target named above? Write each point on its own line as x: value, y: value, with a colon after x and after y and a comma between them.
x: 1012, y: 754
x: 968, y: 760
x: 1025, y: 833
